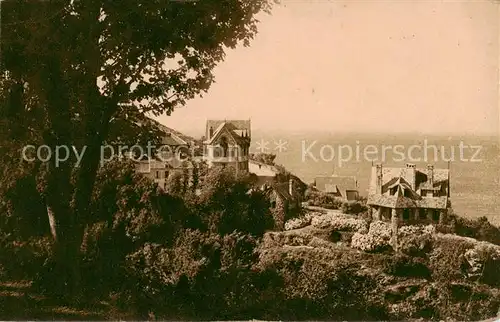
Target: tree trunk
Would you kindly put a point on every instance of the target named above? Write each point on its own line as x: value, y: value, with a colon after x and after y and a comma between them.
x: 52, y: 223
x: 64, y: 226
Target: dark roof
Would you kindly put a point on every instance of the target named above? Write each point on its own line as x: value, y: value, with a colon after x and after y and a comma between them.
x: 404, y: 202
x: 441, y: 176
x: 236, y: 125
x: 185, y: 138
x: 172, y: 140
x: 335, y: 183
x: 282, y: 189
x: 240, y: 136
x: 401, y: 179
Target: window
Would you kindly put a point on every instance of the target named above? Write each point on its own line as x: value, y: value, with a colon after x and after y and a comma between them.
x: 386, y: 213
x: 166, y: 174
x: 422, y: 214
x: 351, y: 194
x: 407, y: 193
x: 435, y: 215
x: 406, y: 214
x: 393, y: 191
x: 157, y: 174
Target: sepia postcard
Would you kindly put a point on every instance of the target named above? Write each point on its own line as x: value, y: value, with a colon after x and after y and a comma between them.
x: 250, y: 160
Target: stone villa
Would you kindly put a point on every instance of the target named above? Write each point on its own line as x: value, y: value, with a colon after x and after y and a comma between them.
x: 408, y: 194
x: 172, y: 157
x: 227, y: 143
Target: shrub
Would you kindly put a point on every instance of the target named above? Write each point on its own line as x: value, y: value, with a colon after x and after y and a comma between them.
x: 353, y: 207
x: 202, y: 272
x: 377, y: 239
x: 322, y: 199
x: 227, y: 202
x: 340, y: 222
x: 447, y: 260
x: 301, y: 222
x: 412, y: 230
x: 484, y: 261
x: 480, y: 228
x: 279, y: 239
x: 381, y: 229
x: 408, y: 266
x: 25, y: 259
x: 369, y: 242
x: 266, y: 158
x: 418, y: 245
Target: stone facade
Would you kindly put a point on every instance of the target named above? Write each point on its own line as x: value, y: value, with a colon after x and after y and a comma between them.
x: 227, y: 144
x: 409, y: 195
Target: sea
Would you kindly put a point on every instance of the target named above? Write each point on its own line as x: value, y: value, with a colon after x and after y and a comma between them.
x: 474, y: 161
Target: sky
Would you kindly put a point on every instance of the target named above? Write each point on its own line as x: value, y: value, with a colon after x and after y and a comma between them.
x: 361, y: 66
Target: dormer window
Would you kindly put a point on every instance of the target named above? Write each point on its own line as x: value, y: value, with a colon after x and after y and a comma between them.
x: 393, y: 191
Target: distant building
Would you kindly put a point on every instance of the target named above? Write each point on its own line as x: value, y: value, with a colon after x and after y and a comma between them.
x: 285, y: 200
x: 265, y: 173
x: 154, y: 169
x: 408, y: 194
x: 344, y: 187
x: 227, y: 143
x: 159, y: 171
x: 172, y: 155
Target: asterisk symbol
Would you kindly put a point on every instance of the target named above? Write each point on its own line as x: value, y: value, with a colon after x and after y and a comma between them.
x: 262, y: 146
x: 280, y: 145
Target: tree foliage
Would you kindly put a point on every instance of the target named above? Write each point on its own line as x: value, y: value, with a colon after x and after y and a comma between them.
x: 266, y: 158
x: 67, y: 66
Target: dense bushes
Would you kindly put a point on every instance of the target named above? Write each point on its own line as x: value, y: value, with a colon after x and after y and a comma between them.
x: 353, y: 207
x: 321, y: 199
x: 340, y: 222
x: 407, y: 286
x: 329, y: 201
x: 24, y: 259
x: 377, y: 239
x: 301, y: 221
x: 480, y: 228
x: 408, y: 266
x: 205, y: 254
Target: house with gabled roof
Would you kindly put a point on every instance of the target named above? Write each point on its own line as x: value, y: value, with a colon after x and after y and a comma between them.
x: 159, y: 171
x: 227, y: 143
x: 285, y: 199
x: 344, y: 187
x: 408, y: 194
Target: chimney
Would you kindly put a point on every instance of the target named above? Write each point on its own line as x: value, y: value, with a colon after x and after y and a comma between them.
x: 210, y: 133
x: 378, y: 173
x: 291, y: 188
x: 430, y: 175
x: 410, y: 174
